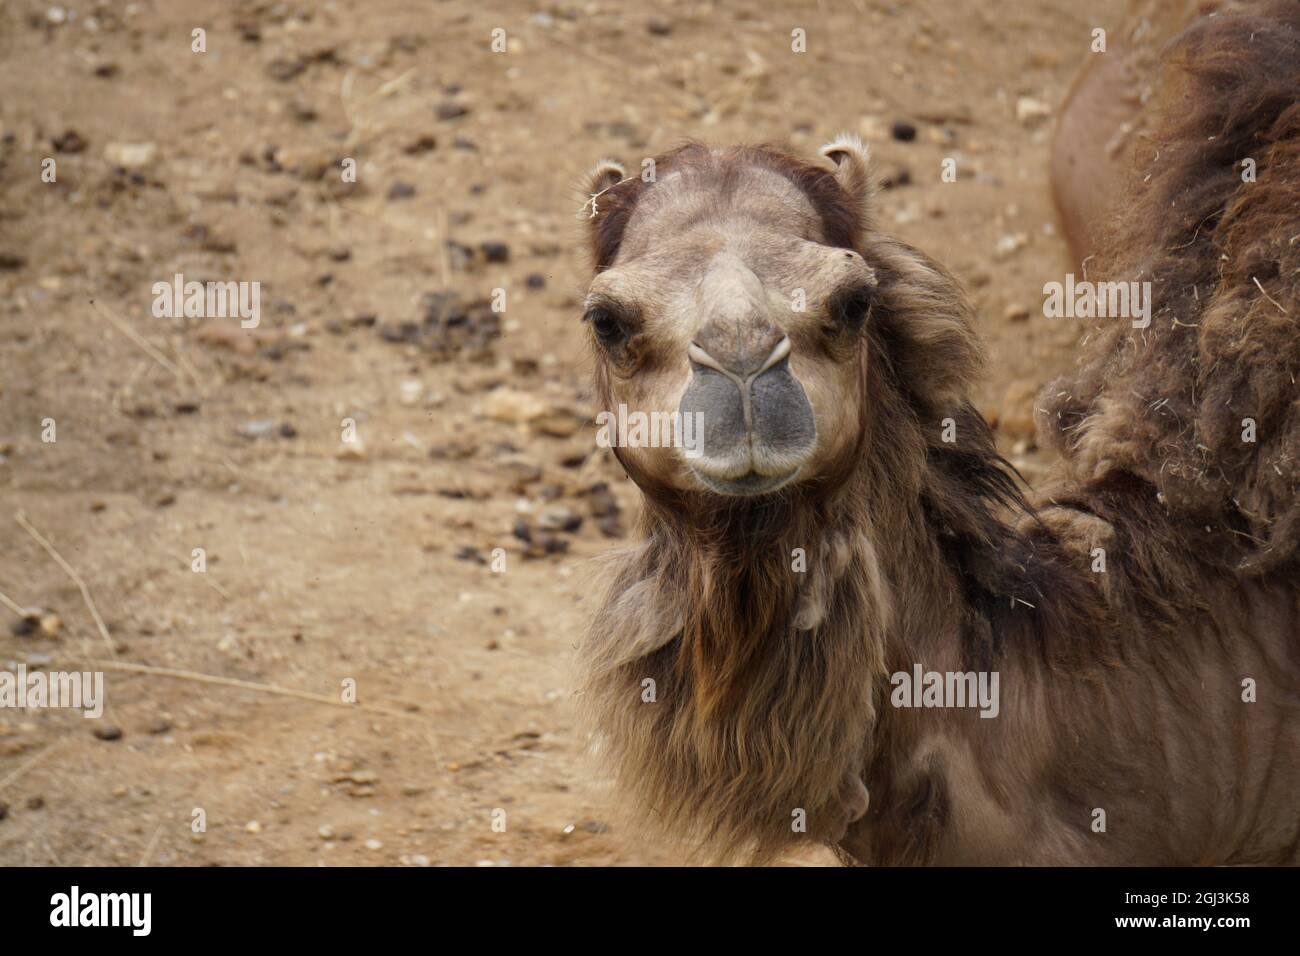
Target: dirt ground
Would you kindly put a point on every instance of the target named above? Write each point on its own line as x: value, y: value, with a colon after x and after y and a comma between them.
x: 329, y: 562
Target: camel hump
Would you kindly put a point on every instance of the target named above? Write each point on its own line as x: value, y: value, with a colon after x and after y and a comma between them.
x: 1105, y: 116
x: 1196, y: 389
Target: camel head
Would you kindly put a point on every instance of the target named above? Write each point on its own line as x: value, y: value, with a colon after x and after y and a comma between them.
x: 733, y: 296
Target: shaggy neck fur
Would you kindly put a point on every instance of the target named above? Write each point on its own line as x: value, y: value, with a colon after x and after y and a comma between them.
x: 765, y: 625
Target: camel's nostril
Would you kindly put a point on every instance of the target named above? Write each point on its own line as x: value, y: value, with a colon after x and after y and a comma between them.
x: 780, y: 352
x: 740, y: 368
x: 740, y: 349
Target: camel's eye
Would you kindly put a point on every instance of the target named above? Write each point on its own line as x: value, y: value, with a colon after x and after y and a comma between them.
x: 849, y: 308
x: 605, y: 322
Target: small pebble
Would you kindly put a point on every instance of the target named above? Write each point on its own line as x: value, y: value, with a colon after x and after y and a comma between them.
x: 421, y: 145
x: 70, y: 142
x: 495, y: 251
x: 903, y: 131
x: 352, y: 451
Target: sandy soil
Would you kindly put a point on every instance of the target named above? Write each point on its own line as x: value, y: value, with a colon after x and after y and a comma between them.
x: 370, y: 562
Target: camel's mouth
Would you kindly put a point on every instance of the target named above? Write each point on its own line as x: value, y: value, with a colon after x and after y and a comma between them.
x: 749, y: 485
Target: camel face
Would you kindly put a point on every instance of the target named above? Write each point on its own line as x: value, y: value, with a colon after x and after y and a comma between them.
x: 726, y: 311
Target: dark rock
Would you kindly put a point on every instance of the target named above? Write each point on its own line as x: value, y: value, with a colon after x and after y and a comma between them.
x: 449, y: 326
x: 900, y: 177
x: 25, y: 626
x: 70, y: 142
x: 495, y: 251
x: 903, y: 131
x: 420, y: 145
x: 553, y: 544
x: 573, y: 459
x: 560, y: 518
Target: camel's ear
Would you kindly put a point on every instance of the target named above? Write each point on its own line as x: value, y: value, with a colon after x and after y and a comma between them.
x: 853, y: 168
x: 602, y: 177
x: 606, y: 173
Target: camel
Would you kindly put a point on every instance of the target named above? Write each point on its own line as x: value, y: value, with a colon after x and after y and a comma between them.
x: 1106, y: 113
x: 845, y: 622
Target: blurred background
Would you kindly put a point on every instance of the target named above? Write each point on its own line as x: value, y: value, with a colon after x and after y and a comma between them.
x: 187, y: 442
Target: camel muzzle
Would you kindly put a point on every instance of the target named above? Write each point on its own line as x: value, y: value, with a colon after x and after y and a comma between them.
x: 758, y: 425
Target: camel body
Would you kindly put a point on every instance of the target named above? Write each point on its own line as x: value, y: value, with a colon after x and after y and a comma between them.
x: 1140, y: 617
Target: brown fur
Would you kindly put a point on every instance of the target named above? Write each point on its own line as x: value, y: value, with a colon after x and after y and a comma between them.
x: 1167, y: 403
x: 841, y: 219
x: 1120, y: 690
